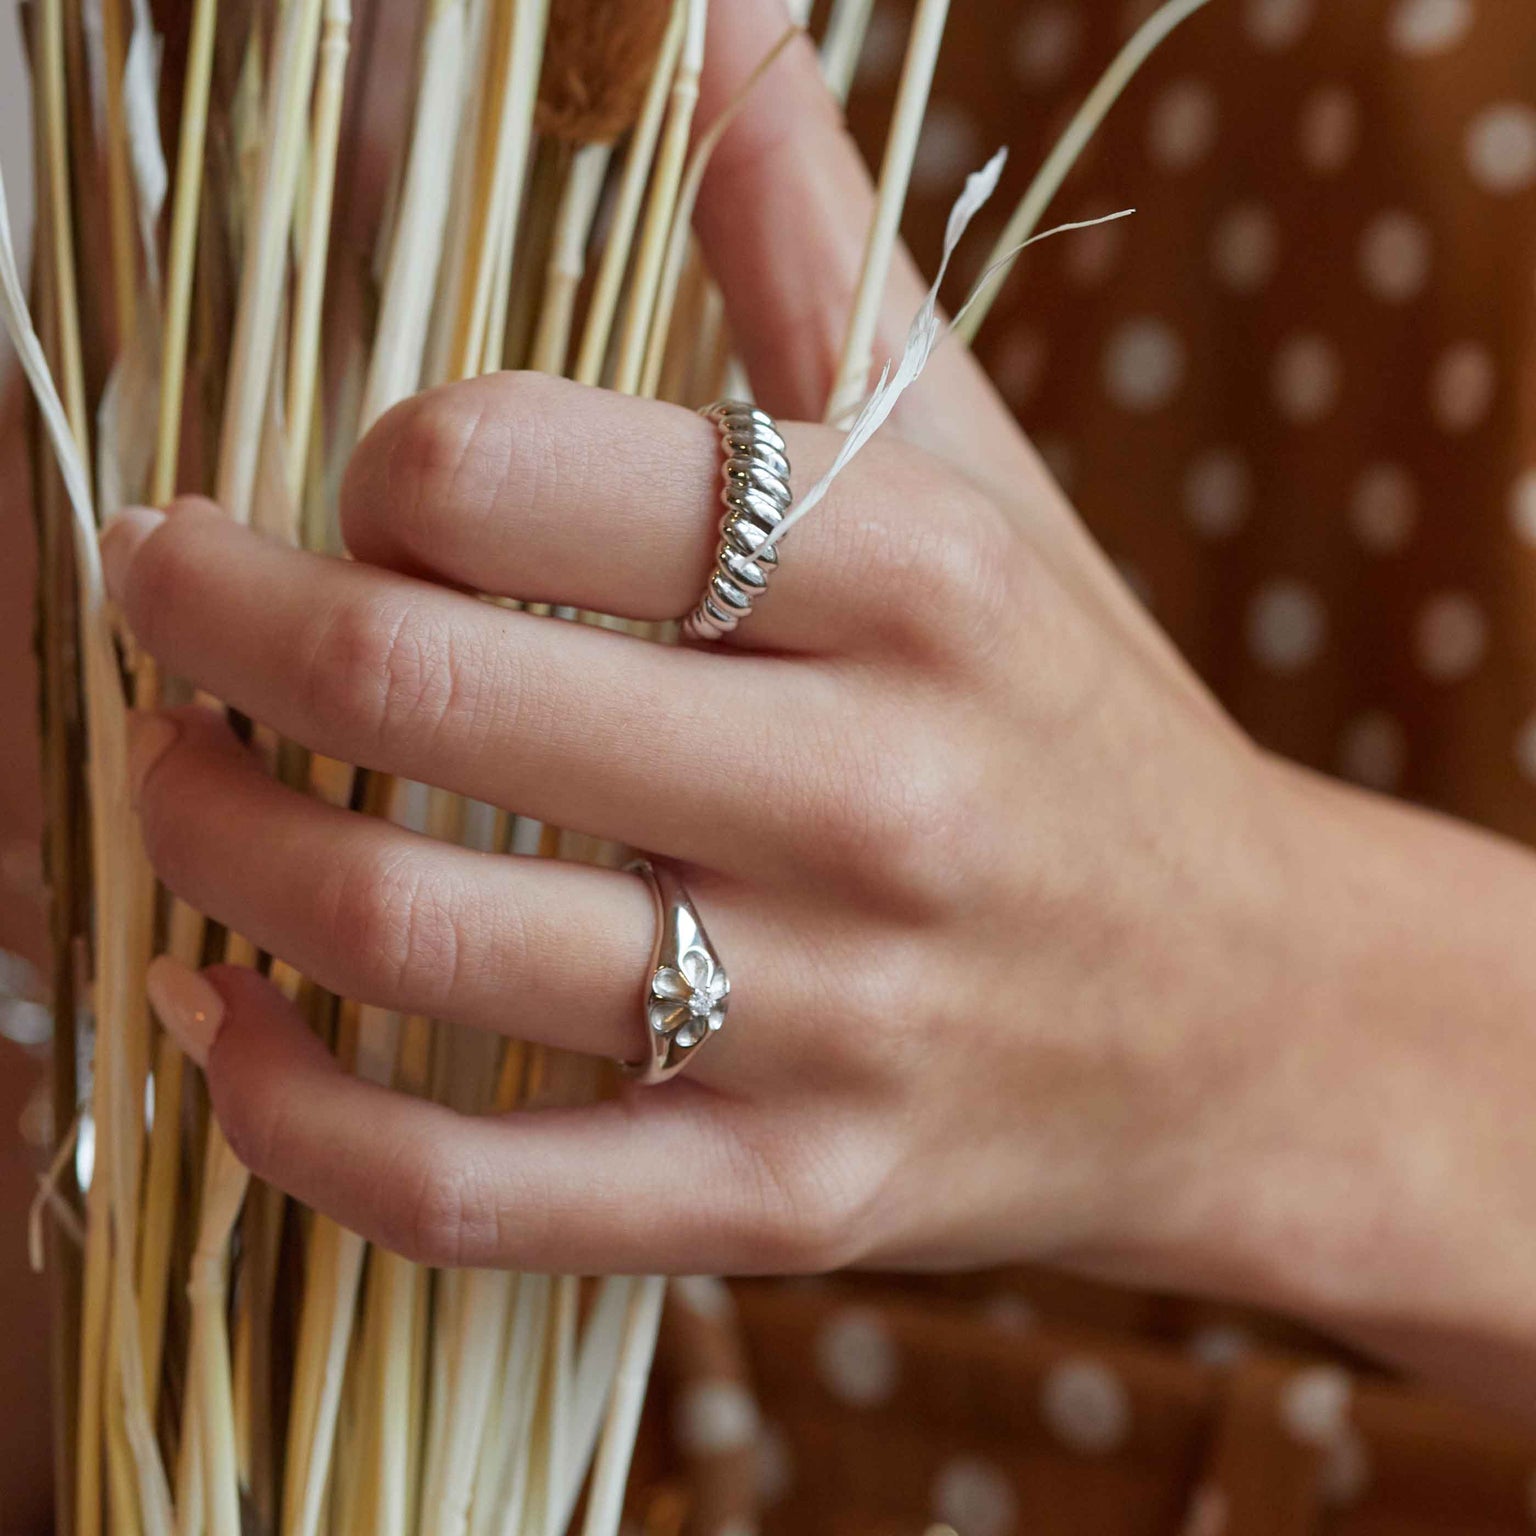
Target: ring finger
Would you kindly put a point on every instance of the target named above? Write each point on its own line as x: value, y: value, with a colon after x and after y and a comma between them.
x: 543, y: 950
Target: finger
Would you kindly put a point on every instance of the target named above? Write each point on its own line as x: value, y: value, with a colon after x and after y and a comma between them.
x: 783, y: 215
x: 660, y: 1182
x: 537, y: 488
x: 677, y: 751
x: 545, y: 950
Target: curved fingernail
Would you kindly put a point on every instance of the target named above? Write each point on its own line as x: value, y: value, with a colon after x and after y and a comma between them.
x: 120, y: 538
x: 186, y: 1004
x: 149, y: 739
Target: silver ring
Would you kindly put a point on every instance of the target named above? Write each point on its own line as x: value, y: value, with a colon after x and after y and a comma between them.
x: 687, y: 990
x: 755, y: 493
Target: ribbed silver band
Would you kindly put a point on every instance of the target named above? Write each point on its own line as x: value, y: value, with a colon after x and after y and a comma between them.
x: 754, y: 491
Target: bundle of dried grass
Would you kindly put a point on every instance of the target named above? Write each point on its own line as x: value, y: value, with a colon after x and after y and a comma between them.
x: 228, y: 1363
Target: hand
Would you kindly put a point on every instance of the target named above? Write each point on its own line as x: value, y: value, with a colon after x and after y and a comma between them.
x: 1035, y: 954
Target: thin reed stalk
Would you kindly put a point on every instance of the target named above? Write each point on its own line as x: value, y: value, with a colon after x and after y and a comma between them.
x: 852, y: 379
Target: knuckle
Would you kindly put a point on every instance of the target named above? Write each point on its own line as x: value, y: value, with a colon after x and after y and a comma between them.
x: 406, y: 467
x: 900, y: 825
x: 447, y: 1217
x: 164, y: 572
x: 812, y: 1205
x: 378, y: 670
x: 947, y: 572
x: 394, y: 928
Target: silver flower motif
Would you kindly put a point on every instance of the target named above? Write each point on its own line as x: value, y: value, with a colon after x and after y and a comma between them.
x: 690, y: 1000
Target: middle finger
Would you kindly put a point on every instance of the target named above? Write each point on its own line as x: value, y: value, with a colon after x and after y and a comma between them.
x: 683, y: 752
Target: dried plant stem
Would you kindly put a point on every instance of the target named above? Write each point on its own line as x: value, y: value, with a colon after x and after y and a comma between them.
x: 895, y: 174
x: 162, y: 1176
x: 262, y: 271
x: 682, y: 216
x: 416, y: 242
x: 605, y: 1501
x: 506, y: 131
x: 1048, y: 179
x: 325, y: 137
x: 120, y: 195
x: 568, y: 256
x: 61, y: 221
x: 666, y: 183
x: 601, y: 309
x: 210, y: 1392
x: 182, y: 263
x: 842, y: 43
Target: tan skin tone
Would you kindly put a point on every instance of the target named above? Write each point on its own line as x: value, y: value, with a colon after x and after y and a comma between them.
x: 1036, y: 955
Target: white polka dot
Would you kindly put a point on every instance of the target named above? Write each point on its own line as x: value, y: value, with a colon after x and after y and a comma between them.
x: 1522, y: 505
x: 1383, y: 508
x: 1045, y: 42
x: 1182, y: 125
x: 1394, y: 256
x: 1086, y: 1405
x: 1461, y: 386
x: 715, y: 1417
x: 703, y: 1295
x: 1314, y: 1404
x: 1287, y: 625
x: 1089, y: 255
x: 1373, y: 751
x: 1143, y: 365
x: 1328, y: 129
x: 775, y: 1465
x: 1347, y: 1470
x: 1306, y: 378
x: 1277, y: 24
x: 948, y: 150
x: 1428, y: 26
x: 1221, y: 1346
x: 1501, y: 147
x: 974, y: 1498
x: 1019, y: 363
x: 1245, y: 246
x: 857, y: 1358
x: 1218, y: 491
x: 1450, y: 637
x: 24, y: 1022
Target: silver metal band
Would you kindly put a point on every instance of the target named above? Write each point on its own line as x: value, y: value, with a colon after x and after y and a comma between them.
x: 686, y: 991
x: 755, y: 494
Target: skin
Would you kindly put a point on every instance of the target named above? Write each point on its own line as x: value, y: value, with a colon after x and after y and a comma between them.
x: 1036, y: 956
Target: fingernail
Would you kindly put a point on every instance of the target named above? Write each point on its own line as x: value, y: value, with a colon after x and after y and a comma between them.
x: 120, y: 538
x: 149, y: 737
x: 186, y: 1004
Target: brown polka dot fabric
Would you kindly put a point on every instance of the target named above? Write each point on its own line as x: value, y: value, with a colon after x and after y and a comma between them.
x: 1293, y: 396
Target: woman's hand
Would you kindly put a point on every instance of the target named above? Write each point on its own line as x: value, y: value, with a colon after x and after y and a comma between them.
x: 1034, y: 954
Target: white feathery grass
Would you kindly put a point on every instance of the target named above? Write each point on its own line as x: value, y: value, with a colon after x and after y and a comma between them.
x: 926, y: 331
x: 1068, y: 149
